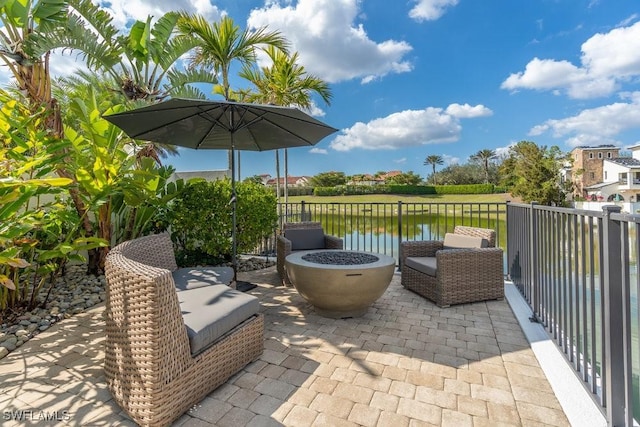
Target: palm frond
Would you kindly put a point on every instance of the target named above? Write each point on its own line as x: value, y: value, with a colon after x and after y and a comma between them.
x: 76, y: 37
x: 186, y: 91
x: 198, y: 75
x: 98, y: 19
x: 166, y: 55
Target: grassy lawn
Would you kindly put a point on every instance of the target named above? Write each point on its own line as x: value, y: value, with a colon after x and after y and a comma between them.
x: 394, y: 198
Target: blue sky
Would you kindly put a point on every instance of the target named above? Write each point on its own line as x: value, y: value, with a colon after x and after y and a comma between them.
x: 447, y: 77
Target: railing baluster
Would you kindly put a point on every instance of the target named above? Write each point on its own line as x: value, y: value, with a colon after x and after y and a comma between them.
x: 613, y: 321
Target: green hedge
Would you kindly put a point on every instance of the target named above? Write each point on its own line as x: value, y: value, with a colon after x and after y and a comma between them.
x: 295, y: 191
x: 201, y: 220
x: 348, y: 190
x: 465, y: 189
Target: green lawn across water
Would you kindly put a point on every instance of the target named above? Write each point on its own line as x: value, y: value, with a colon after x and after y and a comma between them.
x: 394, y: 198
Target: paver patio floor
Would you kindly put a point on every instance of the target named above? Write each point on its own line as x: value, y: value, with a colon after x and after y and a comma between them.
x: 405, y: 363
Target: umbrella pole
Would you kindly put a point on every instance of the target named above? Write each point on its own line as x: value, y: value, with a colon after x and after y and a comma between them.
x: 240, y: 286
x: 234, y: 245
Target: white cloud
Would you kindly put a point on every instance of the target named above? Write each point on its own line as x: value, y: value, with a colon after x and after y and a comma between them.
x: 450, y: 160
x: 406, y: 129
x: 467, y: 111
x: 314, y: 110
x: 502, y: 152
x: 607, y: 60
x: 430, y: 10
x: 5, y: 75
x: 330, y: 42
x: 316, y: 150
x: 400, y: 161
x: 66, y: 64
x: 124, y: 11
x: 595, y: 126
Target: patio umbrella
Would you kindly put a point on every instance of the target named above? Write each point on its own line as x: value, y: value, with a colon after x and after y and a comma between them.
x: 203, y: 124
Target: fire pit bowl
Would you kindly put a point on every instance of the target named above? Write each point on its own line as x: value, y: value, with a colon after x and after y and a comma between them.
x: 340, y: 283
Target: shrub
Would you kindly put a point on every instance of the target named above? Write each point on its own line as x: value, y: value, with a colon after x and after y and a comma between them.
x: 200, y: 218
x: 465, y: 189
x: 345, y: 190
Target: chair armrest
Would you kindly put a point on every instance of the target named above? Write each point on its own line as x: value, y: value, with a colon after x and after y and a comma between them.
x: 283, y: 244
x: 419, y: 248
x: 333, y: 242
x: 283, y: 248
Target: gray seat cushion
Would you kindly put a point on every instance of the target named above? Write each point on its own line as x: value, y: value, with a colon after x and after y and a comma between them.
x: 212, y: 311
x: 456, y: 241
x: 423, y: 264
x: 197, y: 277
x: 305, y: 238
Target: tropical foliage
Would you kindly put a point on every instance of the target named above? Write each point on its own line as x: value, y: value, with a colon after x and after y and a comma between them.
x: 37, y: 233
x: 408, y: 178
x: 141, y: 63
x: 484, y: 157
x: 286, y: 83
x: 532, y: 172
x: 220, y: 44
x: 433, y: 160
x: 329, y: 179
x: 200, y: 218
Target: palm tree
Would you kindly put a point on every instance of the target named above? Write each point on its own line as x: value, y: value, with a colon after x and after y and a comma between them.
x: 285, y: 83
x: 65, y: 88
x: 141, y: 62
x: 433, y: 160
x: 221, y: 43
x: 484, y: 156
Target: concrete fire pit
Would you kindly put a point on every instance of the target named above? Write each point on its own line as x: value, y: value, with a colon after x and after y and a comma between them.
x: 340, y: 283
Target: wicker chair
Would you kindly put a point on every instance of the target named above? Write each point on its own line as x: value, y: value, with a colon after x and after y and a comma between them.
x: 455, y: 276
x: 285, y: 246
x: 149, y: 365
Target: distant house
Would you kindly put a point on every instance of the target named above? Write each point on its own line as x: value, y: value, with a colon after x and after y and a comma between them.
x: 367, y: 179
x: 264, y: 178
x: 364, y: 179
x: 620, y: 180
x: 292, y: 181
x: 390, y: 174
x: 588, y: 166
x: 601, y: 175
x: 208, y: 176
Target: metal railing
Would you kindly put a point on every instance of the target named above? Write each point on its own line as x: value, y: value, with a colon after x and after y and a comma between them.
x: 380, y: 227
x: 578, y: 270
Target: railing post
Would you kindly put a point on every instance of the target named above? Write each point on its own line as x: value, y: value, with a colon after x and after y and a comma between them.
x: 612, y: 295
x: 399, y: 233
x: 302, y: 204
x: 534, y: 271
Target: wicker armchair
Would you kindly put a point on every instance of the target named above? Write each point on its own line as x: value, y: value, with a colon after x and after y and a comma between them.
x: 450, y: 276
x: 150, y: 366
x: 285, y: 246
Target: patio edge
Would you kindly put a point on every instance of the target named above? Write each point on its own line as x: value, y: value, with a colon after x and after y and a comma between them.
x: 577, y: 403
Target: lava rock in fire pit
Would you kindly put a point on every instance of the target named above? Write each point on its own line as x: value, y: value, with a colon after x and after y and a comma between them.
x: 340, y: 258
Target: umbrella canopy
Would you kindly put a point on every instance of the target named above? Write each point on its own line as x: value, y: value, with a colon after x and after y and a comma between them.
x: 202, y: 124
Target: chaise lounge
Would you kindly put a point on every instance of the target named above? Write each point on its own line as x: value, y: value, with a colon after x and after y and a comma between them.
x: 465, y: 267
x: 173, y: 335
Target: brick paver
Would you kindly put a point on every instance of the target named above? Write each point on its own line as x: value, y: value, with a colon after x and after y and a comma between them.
x: 405, y: 363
